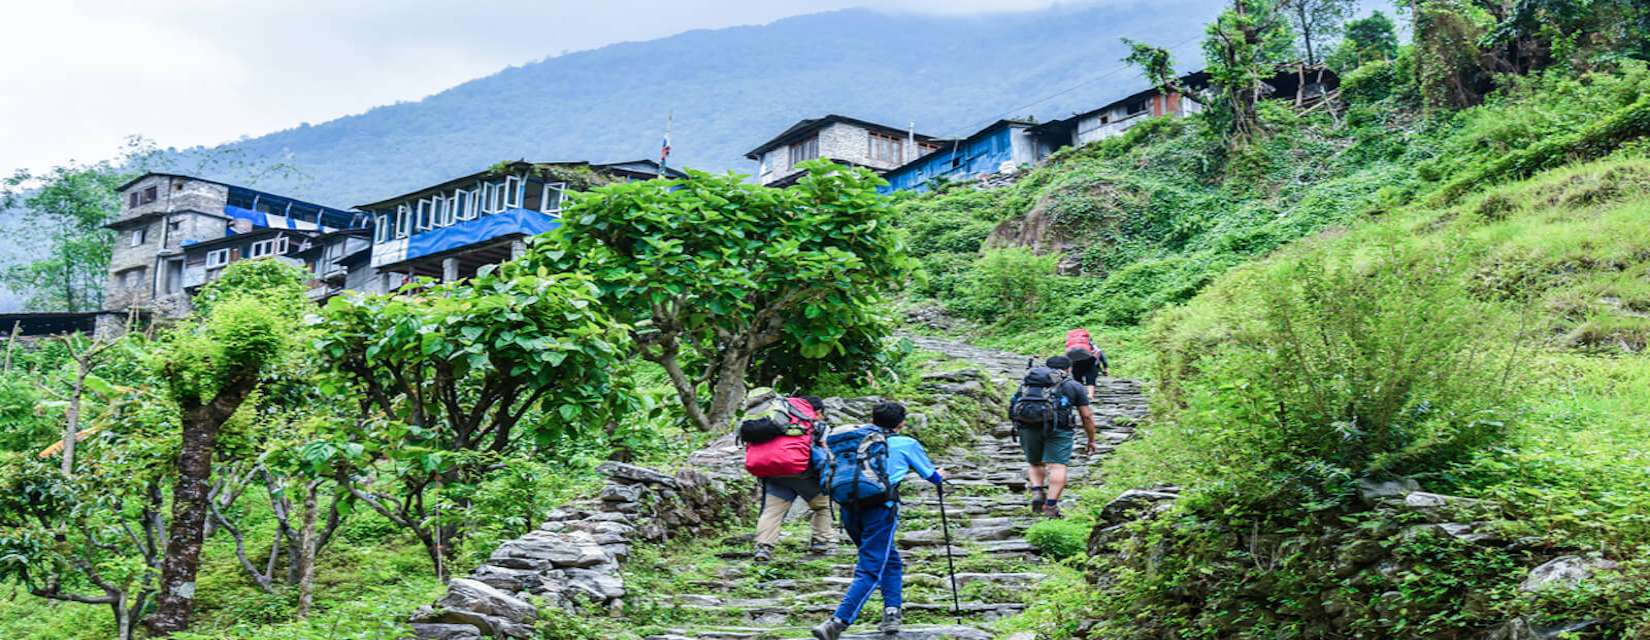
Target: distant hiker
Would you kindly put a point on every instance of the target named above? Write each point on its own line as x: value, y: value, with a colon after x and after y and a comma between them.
x: 783, y: 447
x: 1042, y: 413
x: 862, y: 474
x: 1088, y: 362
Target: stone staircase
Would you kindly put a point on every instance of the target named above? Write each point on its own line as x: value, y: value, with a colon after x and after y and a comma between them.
x: 729, y: 598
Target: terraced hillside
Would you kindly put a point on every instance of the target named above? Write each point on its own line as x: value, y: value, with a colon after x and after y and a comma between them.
x: 709, y: 590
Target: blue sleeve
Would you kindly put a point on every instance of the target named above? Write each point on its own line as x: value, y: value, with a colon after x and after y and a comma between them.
x: 916, y: 458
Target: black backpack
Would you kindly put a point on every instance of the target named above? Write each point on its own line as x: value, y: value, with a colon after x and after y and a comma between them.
x: 1038, y: 404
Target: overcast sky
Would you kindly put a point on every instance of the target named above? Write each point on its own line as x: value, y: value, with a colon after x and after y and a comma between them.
x: 82, y: 75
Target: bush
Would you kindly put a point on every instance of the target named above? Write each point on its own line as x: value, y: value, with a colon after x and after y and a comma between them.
x: 1009, y: 282
x: 1059, y: 539
x: 1324, y: 369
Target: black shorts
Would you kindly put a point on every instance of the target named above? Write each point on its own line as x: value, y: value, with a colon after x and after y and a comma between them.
x: 1086, y: 372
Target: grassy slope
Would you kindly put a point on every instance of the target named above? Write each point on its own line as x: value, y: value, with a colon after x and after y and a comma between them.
x: 1567, y: 251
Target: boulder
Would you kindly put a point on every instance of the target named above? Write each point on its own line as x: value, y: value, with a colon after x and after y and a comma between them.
x: 1131, y: 504
x: 621, y: 493
x: 488, y: 625
x: 507, y: 579
x: 477, y: 596
x: 633, y: 473
x: 445, y: 631
x: 600, y: 587
x: 1372, y: 491
x: 1563, y: 572
x: 542, y: 550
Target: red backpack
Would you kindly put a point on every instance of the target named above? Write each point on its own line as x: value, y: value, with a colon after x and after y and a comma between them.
x: 779, y: 437
x: 1079, y: 346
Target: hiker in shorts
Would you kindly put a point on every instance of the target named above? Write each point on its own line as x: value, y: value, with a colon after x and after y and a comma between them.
x: 869, y: 495
x: 778, y: 494
x: 1042, y: 412
x: 1088, y: 362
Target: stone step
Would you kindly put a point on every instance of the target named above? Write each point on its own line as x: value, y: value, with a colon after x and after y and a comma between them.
x: 777, y: 611
x: 865, y: 630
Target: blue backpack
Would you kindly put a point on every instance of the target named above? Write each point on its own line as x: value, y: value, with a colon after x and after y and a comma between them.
x: 856, y: 466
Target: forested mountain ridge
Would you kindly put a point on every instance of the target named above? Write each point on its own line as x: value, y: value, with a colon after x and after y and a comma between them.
x: 729, y: 89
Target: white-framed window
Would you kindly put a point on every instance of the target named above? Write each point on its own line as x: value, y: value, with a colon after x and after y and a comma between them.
x: 138, y: 236
x: 217, y: 258
x: 425, y: 217
x: 492, y: 197
x: 381, y: 228
x: 273, y: 246
x: 444, y: 211
x: 554, y: 194
x: 512, y: 192
x: 463, y: 205
x: 402, y: 214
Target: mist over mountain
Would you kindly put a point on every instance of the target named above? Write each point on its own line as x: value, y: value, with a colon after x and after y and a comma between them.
x: 729, y: 90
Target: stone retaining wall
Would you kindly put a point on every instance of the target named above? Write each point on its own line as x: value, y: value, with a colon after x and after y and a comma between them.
x: 571, y: 562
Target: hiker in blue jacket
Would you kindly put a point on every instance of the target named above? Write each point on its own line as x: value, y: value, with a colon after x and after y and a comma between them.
x: 871, y: 520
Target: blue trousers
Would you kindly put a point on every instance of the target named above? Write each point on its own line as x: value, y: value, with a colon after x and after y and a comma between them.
x: 872, y: 530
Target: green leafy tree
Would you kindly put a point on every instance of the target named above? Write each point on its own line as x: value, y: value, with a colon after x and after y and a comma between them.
x: 458, y: 376
x: 95, y: 536
x: 1318, y: 25
x: 1368, y: 39
x: 209, y: 366
x: 709, y: 271
x: 63, y: 211
x: 1244, y: 47
x: 1156, y: 63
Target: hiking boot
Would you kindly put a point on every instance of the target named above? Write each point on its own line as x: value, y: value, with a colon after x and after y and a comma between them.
x: 763, y: 553
x: 819, y: 548
x: 891, y: 617
x: 1038, y: 499
x: 829, y: 629
x: 1052, y: 510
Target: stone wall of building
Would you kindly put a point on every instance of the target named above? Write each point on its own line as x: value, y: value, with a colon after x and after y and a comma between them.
x: 183, y: 210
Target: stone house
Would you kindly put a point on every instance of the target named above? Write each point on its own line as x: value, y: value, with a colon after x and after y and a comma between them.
x: 840, y: 139
x: 155, y: 261
x: 449, y: 230
x: 1304, y: 85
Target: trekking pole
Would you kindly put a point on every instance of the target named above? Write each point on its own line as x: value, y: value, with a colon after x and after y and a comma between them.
x: 950, y: 565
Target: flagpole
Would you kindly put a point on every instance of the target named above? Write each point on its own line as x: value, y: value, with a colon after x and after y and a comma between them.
x: 664, y: 150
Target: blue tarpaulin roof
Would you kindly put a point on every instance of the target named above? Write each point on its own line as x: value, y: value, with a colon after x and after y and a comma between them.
x: 525, y: 222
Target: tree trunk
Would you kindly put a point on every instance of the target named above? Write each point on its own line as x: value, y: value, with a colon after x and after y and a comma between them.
x: 123, y: 618
x: 1302, y: 10
x: 306, y: 570
x: 71, y: 422
x: 176, y: 601
x: 728, y: 391
x: 686, y: 390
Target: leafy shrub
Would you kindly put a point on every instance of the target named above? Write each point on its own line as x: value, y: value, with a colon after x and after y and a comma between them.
x: 1009, y: 282
x: 1325, y: 368
x: 1059, y: 539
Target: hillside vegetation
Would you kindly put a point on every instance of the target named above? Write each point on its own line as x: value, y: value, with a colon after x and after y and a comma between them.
x: 1391, y: 290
